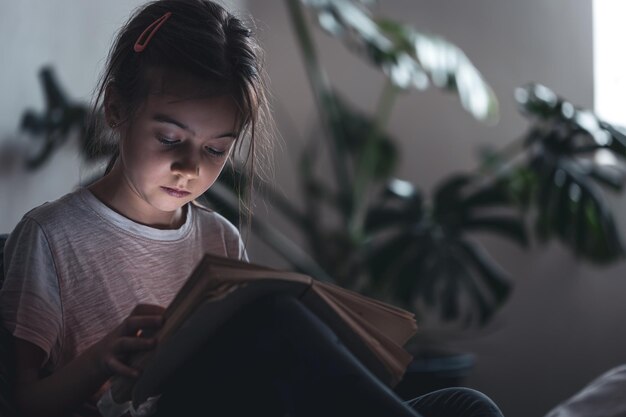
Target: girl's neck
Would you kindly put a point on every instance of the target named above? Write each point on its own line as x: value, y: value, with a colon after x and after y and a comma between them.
x: 125, y: 202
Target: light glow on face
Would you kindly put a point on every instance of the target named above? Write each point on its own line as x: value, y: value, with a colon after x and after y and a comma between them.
x: 171, y: 153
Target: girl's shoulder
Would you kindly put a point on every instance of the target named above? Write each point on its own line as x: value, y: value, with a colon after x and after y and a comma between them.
x: 210, y: 218
x: 43, y: 226
x: 63, y: 209
x: 221, y: 236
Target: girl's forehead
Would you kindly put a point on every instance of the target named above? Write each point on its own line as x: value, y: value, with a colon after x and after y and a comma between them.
x: 166, y: 101
x: 183, y: 85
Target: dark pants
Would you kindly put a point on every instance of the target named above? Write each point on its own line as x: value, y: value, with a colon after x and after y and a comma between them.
x: 276, y: 358
x: 455, y: 402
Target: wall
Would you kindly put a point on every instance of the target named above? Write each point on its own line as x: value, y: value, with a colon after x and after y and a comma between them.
x: 73, y: 38
x: 562, y: 326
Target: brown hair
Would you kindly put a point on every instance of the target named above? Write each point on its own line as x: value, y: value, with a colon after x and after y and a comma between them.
x: 201, y: 39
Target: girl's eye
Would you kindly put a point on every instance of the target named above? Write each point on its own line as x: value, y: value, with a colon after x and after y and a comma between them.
x: 215, y: 152
x: 167, y: 141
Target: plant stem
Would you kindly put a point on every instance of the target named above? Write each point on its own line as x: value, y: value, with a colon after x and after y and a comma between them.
x: 324, y: 99
x: 365, y: 165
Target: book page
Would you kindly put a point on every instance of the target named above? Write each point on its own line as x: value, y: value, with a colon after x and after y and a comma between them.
x: 397, y: 324
x: 379, y: 346
x: 393, y: 354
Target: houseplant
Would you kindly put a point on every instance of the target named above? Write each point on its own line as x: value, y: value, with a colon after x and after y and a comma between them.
x: 396, y: 243
x: 415, y: 250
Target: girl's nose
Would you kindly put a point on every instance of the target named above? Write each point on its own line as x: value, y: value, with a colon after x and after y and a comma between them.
x: 186, y: 167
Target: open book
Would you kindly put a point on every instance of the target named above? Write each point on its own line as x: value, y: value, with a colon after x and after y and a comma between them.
x: 373, y: 331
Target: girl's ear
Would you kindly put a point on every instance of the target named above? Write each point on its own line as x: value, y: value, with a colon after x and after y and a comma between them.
x: 112, y: 106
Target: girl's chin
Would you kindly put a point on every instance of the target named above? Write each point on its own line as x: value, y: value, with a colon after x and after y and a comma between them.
x: 171, y: 208
x: 168, y: 205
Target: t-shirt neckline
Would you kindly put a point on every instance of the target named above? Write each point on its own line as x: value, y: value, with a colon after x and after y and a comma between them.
x: 133, y: 227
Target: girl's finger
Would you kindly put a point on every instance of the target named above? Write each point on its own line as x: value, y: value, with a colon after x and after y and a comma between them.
x: 133, y: 344
x: 147, y: 310
x: 117, y: 367
x: 134, y: 323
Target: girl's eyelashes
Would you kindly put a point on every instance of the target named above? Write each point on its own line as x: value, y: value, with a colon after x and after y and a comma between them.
x: 215, y: 152
x: 167, y: 141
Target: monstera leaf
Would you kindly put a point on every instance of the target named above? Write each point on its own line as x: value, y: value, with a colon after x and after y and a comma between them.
x: 52, y: 127
x: 423, y: 254
x: 571, y: 206
x: 567, y: 179
x: 409, y: 58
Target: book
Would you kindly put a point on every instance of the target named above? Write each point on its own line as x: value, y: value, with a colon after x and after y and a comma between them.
x: 218, y: 287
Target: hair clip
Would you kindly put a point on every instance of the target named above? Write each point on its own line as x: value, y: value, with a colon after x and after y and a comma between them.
x: 149, y: 32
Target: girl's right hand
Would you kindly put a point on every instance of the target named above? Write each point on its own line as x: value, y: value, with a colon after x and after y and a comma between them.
x: 129, y: 337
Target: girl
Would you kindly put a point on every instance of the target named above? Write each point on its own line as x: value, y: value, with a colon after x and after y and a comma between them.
x: 86, y: 275
x: 181, y: 89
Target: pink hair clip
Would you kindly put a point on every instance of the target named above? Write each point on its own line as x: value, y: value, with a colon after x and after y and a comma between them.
x: 149, y: 32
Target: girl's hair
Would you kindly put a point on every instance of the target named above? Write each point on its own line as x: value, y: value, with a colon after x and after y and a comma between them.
x: 201, y: 39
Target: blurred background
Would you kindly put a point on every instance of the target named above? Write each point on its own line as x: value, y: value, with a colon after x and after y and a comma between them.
x: 563, y: 322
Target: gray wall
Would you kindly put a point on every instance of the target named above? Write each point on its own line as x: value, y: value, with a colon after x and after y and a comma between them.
x: 562, y: 325
x: 73, y: 37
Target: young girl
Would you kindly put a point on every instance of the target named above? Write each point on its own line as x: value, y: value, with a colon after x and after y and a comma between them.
x: 181, y: 90
x: 87, y: 275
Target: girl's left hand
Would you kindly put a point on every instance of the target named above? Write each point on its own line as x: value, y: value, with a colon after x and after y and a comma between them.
x: 112, y: 351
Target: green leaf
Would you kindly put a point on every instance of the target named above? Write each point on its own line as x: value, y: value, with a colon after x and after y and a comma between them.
x: 401, y: 206
x: 390, y: 255
x: 492, y: 195
x: 496, y: 280
x: 485, y: 309
x: 447, y: 67
x: 618, y: 139
x: 511, y: 227
x: 608, y: 175
x: 448, y: 193
x: 572, y: 207
x: 409, y: 58
x: 537, y: 100
x: 383, y: 218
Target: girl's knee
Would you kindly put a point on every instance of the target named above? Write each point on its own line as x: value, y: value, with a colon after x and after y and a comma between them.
x: 457, y: 401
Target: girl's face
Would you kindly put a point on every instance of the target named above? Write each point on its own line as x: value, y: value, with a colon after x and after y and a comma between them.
x: 172, y: 151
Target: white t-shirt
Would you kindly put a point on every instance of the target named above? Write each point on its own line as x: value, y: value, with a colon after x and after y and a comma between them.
x: 74, y: 269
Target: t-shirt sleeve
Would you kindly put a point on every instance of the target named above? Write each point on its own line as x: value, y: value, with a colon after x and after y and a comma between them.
x: 30, y: 302
x: 242, y: 254
x: 234, y: 244
x: 230, y: 240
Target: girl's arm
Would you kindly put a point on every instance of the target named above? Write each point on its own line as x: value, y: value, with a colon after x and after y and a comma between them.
x: 71, y: 386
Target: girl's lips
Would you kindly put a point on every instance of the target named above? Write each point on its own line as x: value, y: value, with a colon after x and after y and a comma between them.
x: 176, y: 193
